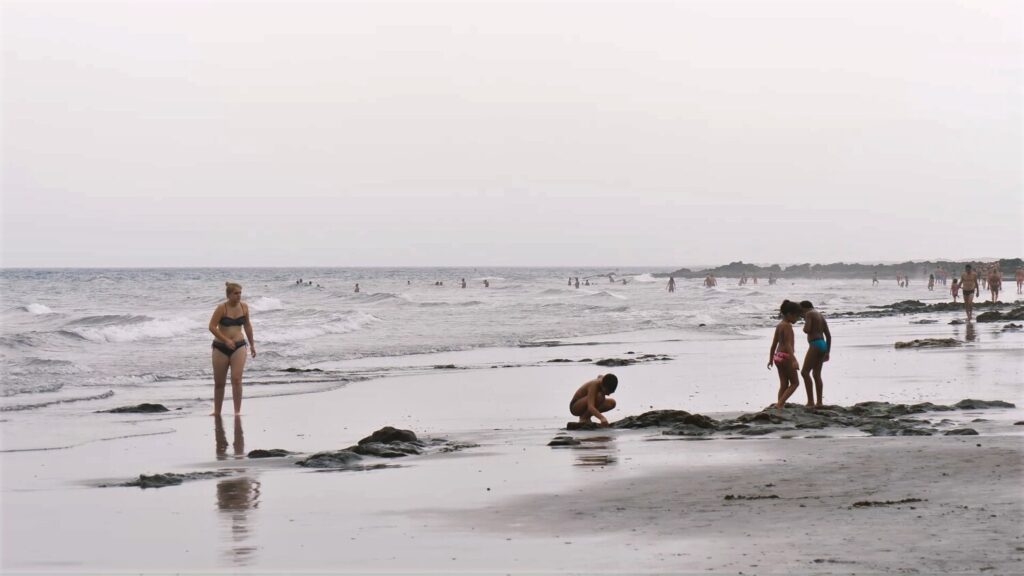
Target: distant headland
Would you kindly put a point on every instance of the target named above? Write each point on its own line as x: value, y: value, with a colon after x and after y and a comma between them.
x: 842, y: 270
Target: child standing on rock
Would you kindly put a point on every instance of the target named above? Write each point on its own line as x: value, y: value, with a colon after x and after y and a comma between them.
x: 782, y: 352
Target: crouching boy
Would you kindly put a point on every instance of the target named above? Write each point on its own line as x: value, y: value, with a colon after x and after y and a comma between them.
x: 591, y: 400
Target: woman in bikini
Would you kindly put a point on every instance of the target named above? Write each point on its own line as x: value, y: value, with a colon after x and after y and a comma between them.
x: 782, y: 353
x: 226, y: 324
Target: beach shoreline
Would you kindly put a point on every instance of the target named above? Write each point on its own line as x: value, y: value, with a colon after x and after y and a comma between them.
x: 638, y: 501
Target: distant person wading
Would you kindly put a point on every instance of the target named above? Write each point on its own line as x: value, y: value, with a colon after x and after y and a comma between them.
x: 226, y: 325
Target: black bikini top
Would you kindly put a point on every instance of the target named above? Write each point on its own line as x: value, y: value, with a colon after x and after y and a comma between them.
x: 228, y: 321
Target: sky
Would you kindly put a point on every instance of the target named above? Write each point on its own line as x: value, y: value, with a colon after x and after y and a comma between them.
x: 509, y: 133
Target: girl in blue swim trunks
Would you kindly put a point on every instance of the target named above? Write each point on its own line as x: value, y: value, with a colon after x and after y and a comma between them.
x: 819, y: 341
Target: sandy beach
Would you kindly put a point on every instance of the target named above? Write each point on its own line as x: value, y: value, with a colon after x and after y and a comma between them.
x: 622, y: 501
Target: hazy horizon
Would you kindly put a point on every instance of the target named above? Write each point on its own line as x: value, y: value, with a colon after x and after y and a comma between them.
x: 354, y: 133
x: 656, y: 268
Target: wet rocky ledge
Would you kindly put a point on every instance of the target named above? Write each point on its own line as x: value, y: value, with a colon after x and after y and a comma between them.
x: 872, y: 418
x: 987, y: 311
x: 387, y: 442
x: 144, y: 408
x: 167, y: 479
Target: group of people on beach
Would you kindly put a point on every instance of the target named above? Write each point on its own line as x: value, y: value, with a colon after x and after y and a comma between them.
x: 782, y: 353
x: 231, y: 318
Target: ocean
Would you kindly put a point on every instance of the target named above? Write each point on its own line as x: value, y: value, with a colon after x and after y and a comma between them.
x: 75, y: 341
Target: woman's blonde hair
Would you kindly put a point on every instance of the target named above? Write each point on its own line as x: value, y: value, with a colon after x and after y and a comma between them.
x: 230, y: 286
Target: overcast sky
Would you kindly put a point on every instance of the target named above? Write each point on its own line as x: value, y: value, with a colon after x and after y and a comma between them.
x: 278, y: 133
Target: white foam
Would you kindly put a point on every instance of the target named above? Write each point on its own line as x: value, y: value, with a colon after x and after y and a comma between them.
x: 38, y: 309
x: 645, y: 278
x: 265, y: 303
x: 337, y: 325
x: 133, y: 332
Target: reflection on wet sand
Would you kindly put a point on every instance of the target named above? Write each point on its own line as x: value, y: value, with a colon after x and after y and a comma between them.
x: 236, y: 497
x: 238, y: 441
x: 971, y: 335
x: 596, y: 451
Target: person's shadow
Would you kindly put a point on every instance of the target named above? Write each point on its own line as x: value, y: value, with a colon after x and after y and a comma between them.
x: 236, y: 496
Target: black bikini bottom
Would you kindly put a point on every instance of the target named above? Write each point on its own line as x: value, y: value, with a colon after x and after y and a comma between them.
x: 228, y: 351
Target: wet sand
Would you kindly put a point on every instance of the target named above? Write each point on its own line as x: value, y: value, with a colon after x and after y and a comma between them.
x: 631, y: 501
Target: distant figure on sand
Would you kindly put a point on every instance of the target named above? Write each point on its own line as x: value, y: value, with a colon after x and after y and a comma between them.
x: 954, y: 289
x: 819, y: 341
x: 577, y: 282
x: 226, y: 324
x: 995, y: 282
x: 671, y: 284
x: 357, y: 288
x: 782, y: 355
x: 969, y: 285
x: 1020, y: 279
x: 487, y: 283
x: 591, y: 399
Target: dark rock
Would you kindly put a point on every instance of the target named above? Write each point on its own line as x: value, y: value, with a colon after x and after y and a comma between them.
x: 336, y: 459
x: 929, y: 343
x: 688, y: 430
x: 755, y: 497
x: 587, y: 360
x: 387, y: 450
x: 1021, y: 423
x: 653, y: 419
x: 1012, y: 328
x: 700, y: 421
x: 870, y: 503
x: 615, y: 362
x: 144, y: 408
x: 444, y: 367
x: 759, y: 431
x: 389, y: 434
x: 564, y: 440
x: 962, y: 432
x: 996, y: 316
x: 169, y: 479
x: 272, y: 453
x: 916, y: 432
x: 971, y: 404
x: 560, y: 360
x: 302, y: 370
x: 874, y: 418
x: 956, y: 322
x: 924, y: 321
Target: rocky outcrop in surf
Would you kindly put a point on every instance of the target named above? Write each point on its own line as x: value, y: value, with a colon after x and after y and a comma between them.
x: 167, y: 479
x: 144, y: 408
x: 872, y: 418
x: 387, y: 442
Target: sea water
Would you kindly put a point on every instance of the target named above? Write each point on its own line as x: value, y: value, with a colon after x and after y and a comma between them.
x: 81, y: 340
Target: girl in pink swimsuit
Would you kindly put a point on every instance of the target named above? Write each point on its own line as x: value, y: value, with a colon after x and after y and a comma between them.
x: 782, y: 355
